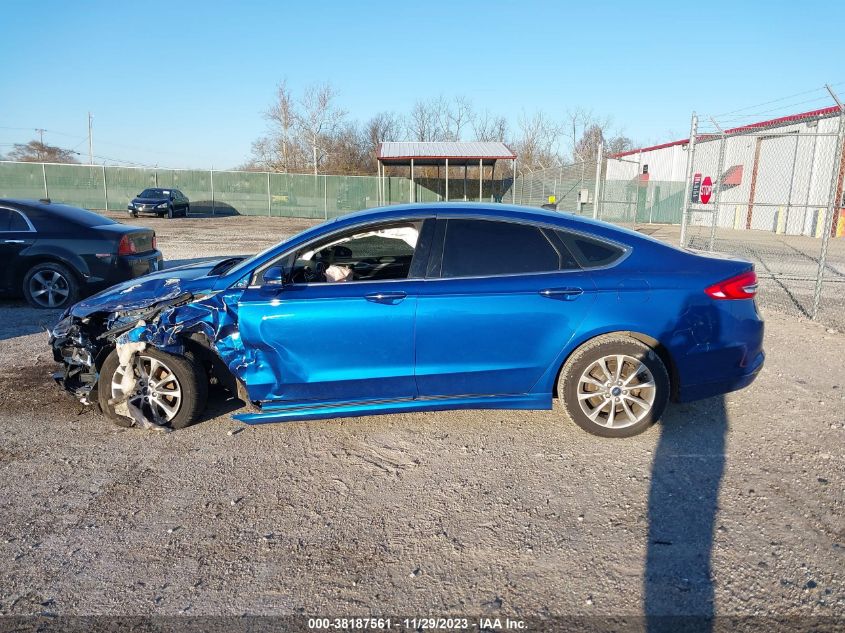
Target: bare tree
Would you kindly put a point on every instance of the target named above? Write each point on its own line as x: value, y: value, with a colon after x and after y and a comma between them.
x: 384, y: 126
x: 282, y: 117
x: 422, y: 122
x: 538, y: 140
x: 452, y: 118
x: 347, y: 151
x: 319, y: 119
x: 312, y: 133
x: 586, y: 148
x: 618, y: 144
x: 487, y: 127
x: 38, y: 152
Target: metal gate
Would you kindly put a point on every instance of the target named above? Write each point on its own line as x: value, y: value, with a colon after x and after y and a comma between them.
x: 772, y: 193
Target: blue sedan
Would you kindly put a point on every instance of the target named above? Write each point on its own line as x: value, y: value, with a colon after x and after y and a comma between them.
x: 424, y: 308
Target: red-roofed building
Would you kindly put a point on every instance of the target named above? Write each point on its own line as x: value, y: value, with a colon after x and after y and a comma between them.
x: 774, y: 175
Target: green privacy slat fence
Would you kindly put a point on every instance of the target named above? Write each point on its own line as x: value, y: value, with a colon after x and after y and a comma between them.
x: 657, y: 201
x: 123, y: 184
x: 219, y: 192
x: 21, y: 180
x: 80, y: 185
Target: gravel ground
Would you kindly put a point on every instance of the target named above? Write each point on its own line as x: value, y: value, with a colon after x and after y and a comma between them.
x: 731, y: 505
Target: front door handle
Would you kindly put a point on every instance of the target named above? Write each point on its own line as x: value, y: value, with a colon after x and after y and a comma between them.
x: 386, y: 297
x: 14, y: 241
x: 566, y: 294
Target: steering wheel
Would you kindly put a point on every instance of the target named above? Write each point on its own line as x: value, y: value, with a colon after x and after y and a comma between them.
x: 316, y: 274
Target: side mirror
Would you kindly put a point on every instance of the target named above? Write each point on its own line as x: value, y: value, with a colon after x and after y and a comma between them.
x: 273, y: 276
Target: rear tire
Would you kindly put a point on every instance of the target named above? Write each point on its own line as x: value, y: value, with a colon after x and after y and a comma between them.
x: 629, y: 382
x: 50, y: 286
x: 169, y: 373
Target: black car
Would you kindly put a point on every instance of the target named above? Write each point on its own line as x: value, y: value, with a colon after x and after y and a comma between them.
x: 53, y: 254
x: 160, y: 201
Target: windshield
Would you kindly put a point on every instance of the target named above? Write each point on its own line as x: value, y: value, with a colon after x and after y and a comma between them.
x: 154, y: 193
x: 250, y: 262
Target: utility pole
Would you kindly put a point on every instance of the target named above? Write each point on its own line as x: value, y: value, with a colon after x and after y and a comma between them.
x: 90, y: 140
x: 41, y: 131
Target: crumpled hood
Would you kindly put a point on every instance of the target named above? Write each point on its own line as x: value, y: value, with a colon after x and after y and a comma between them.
x: 153, y: 288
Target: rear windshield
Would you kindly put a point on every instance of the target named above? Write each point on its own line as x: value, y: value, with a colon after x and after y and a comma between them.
x: 55, y: 216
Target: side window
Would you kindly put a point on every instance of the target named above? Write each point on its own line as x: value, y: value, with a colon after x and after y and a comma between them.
x: 376, y: 253
x: 590, y: 253
x: 5, y: 219
x: 474, y: 248
x: 16, y: 222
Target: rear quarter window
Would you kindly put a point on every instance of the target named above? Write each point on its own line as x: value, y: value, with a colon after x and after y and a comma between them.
x: 590, y: 252
x: 16, y: 222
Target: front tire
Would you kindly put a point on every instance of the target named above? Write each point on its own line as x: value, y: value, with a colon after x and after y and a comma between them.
x: 50, y: 285
x: 169, y: 213
x: 170, y: 389
x: 614, y: 386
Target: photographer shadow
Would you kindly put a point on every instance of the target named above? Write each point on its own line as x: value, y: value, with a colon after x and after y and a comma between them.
x: 683, y: 501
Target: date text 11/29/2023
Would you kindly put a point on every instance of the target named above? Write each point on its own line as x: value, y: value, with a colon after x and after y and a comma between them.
x: 416, y: 624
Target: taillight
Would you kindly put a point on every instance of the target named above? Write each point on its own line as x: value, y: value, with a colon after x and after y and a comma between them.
x: 742, y: 286
x: 126, y: 246
x: 154, y: 241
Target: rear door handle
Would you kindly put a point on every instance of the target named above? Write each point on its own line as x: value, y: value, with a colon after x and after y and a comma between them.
x: 565, y: 294
x: 14, y: 241
x: 386, y: 297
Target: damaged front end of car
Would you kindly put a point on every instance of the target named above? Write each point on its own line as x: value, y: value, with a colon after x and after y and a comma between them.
x: 171, y: 314
x: 82, y: 343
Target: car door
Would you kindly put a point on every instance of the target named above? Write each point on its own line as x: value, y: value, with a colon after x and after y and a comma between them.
x: 500, y: 302
x: 16, y: 234
x: 336, y: 341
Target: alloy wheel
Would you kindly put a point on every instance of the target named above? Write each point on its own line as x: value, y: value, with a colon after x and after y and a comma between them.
x: 157, y: 390
x: 49, y: 288
x: 616, y: 391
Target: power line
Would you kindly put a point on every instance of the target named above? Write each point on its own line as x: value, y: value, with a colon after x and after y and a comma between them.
x: 765, y: 103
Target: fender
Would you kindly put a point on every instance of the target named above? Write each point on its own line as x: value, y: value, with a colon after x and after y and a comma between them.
x: 40, y: 252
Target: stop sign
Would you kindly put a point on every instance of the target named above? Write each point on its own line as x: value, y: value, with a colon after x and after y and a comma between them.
x: 706, y: 190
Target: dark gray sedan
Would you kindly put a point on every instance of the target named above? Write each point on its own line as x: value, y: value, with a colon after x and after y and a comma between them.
x: 160, y: 201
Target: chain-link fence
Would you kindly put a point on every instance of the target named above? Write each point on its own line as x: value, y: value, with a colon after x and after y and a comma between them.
x: 570, y: 188
x: 629, y: 195
x: 772, y: 193
x: 624, y: 193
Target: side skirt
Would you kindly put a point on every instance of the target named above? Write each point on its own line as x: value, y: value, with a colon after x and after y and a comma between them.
x: 291, y: 412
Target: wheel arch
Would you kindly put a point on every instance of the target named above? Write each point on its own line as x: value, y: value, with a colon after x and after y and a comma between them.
x: 30, y: 261
x: 660, y: 349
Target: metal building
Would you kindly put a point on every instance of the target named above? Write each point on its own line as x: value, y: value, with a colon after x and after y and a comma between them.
x: 776, y: 175
x: 445, y: 155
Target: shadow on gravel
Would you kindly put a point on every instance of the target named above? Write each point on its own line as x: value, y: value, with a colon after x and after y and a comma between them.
x: 18, y: 318
x: 32, y: 389
x: 686, y: 475
x: 689, y: 462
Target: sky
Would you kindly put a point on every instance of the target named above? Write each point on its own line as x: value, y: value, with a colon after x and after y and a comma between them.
x: 184, y: 84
